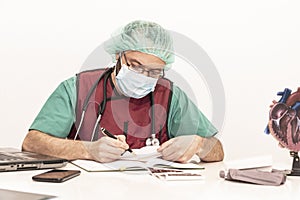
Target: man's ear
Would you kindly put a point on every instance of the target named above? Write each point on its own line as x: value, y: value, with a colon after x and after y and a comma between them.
x: 117, y: 56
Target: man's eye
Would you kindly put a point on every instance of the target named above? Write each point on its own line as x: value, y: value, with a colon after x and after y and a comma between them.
x: 134, y: 66
x: 156, y: 72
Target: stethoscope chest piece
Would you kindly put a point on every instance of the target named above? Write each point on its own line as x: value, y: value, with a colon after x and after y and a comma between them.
x: 152, y: 141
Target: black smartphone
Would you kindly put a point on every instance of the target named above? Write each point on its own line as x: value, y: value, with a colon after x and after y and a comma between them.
x: 56, y: 176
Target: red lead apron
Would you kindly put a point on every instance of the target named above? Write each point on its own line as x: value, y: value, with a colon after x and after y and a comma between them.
x: 122, y: 115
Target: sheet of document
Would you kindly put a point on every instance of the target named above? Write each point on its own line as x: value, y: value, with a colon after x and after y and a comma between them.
x: 249, y: 162
x: 141, y: 159
x: 143, y: 154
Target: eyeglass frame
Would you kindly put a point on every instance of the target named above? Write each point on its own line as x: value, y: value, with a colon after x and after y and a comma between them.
x: 142, y: 70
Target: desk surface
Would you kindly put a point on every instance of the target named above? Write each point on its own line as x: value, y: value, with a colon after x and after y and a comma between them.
x: 121, y: 185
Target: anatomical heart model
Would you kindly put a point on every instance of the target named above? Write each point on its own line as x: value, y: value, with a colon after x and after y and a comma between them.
x: 284, y: 122
x: 284, y: 125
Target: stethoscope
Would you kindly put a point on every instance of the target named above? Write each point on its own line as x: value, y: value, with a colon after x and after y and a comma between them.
x: 151, y: 141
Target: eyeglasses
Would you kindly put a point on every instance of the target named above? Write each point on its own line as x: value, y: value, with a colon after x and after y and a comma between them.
x: 141, y: 69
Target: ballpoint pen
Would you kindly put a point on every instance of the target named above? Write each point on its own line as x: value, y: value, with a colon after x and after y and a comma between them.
x: 107, y: 133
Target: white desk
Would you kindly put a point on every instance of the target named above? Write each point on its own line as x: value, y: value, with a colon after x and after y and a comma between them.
x: 120, y: 185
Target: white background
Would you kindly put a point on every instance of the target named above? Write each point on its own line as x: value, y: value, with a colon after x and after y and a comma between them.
x: 255, y: 46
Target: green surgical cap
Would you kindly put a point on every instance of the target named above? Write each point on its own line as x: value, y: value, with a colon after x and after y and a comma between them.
x: 143, y: 36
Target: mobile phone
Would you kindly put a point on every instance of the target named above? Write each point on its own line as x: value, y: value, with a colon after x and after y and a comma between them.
x: 56, y: 176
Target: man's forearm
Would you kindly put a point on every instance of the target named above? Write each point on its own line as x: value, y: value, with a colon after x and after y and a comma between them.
x: 39, y: 142
x: 211, y: 150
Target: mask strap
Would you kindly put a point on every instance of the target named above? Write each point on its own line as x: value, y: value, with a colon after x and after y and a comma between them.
x: 125, y: 59
x: 118, y: 65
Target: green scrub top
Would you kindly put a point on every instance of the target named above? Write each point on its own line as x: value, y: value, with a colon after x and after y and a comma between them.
x: 58, y: 114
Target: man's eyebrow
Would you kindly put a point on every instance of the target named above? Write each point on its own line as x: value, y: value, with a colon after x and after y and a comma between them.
x: 131, y: 60
x: 134, y: 60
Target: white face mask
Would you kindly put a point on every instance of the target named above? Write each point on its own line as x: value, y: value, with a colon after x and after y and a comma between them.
x: 133, y: 84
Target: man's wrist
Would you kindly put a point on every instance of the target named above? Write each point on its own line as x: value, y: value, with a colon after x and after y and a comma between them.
x: 211, y: 150
x: 87, y: 150
x: 205, y: 147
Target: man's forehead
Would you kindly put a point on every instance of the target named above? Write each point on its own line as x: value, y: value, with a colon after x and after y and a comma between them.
x: 144, y: 58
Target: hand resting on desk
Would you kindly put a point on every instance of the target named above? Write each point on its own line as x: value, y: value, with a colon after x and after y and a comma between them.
x: 183, y: 148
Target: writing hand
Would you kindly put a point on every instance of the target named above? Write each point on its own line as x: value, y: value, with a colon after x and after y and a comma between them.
x: 107, y: 149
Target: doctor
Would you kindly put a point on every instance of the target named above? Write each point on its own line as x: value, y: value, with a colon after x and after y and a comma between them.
x: 131, y: 100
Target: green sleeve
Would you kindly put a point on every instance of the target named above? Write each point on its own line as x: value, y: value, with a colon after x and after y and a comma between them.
x: 58, y: 113
x: 186, y: 119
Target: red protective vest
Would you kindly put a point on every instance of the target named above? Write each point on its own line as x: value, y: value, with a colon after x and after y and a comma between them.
x: 122, y: 115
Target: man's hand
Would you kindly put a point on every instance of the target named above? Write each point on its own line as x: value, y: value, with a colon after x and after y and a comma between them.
x: 107, y: 149
x: 181, y: 148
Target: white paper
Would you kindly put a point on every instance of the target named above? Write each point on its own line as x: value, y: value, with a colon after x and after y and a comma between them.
x: 250, y: 162
x: 143, y: 154
x: 141, y: 159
